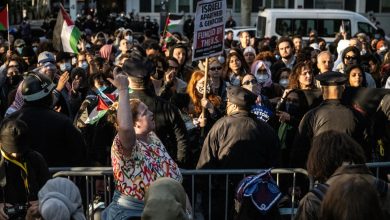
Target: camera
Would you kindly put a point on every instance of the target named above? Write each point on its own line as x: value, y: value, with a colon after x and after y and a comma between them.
x: 17, y: 211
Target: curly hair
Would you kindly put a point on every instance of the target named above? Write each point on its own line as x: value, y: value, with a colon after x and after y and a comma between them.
x: 196, y: 97
x: 112, y: 112
x: 296, y: 72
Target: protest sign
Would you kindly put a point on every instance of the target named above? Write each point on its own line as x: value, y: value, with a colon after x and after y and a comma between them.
x: 209, y: 28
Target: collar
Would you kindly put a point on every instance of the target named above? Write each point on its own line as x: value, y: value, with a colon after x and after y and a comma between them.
x: 289, y: 63
x: 351, y: 169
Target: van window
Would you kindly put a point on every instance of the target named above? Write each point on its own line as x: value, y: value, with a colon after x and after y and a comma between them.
x: 365, y: 28
x: 261, y: 21
x: 324, y: 27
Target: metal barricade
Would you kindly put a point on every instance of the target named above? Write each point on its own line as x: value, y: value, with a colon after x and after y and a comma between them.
x: 89, y: 175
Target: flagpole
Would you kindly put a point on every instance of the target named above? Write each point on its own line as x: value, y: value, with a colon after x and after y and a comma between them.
x: 165, y: 28
x: 8, y: 29
x: 203, y: 123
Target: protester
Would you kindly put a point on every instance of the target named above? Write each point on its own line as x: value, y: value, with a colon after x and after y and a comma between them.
x: 134, y: 149
x: 345, y: 200
x: 166, y: 200
x: 23, y: 171
x: 60, y: 199
x: 336, y: 155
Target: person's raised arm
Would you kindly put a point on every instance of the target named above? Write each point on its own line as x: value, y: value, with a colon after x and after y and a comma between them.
x: 126, y: 131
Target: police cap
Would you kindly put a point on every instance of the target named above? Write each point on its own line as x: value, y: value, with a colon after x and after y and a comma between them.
x: 241, y: 97
x: 331, y: 78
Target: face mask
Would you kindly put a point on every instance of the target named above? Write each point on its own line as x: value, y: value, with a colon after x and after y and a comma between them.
x: 74, y: 61
x: 84, y: 65
x: 19, y: 50
x: 262, y: 78
x: 283, y: 83
x: 363, y: 52
x: 129, y: 38
x: 65, y: 67
x: 15, y: 80
x: 221, y: 59
x: 158, y: 74
x: 200, y: 87
x: 377, y: 36
x: 35, y: 49
x: 291, y: 108
x: 235, y: 80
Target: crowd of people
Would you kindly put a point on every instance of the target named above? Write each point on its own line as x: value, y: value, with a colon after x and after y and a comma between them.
x: 144, y: 107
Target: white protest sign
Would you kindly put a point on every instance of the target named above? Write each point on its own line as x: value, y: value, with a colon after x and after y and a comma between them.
x: 209, y: 28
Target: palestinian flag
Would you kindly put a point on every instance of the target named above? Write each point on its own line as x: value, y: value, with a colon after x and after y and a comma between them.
x: 66, y: 35
x: 173, y: 22
x: 3, y: 19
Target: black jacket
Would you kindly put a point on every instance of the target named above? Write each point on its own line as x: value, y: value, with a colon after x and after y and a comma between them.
x: 170, y: 127
x: 38, y: 174
x: 53, y: 135
x: 239, y: 141
x: 330, y: 115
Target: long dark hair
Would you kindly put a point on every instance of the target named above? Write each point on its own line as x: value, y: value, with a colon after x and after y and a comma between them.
x: 329, y: 150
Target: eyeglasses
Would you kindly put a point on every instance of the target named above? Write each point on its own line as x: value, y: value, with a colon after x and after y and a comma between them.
x: 22, y: 45
x: 215, y: 68
x: 253, y: 82
x: 16, y: 66
x: 350, y: 58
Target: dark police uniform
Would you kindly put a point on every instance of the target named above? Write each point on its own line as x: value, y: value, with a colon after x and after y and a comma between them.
x: 237, y: 141
x: 330, y: 115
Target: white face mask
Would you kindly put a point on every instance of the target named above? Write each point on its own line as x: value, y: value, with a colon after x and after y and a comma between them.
x: 65, y: 66
x: 283, y: 83
x: 84, y: 65
x: 129, y: 38
x: 200, y: 87
x: 262, y: 78
x: 235, y: 80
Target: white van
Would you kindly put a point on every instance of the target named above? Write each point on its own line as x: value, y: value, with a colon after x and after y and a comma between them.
x: 327, y: 22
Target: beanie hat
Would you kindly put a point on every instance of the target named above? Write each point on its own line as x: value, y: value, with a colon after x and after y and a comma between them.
x: 60, y: 199
x: 165, y: 200
x: 249, y: 49
x: 380, y: 44
x: 14, y: 136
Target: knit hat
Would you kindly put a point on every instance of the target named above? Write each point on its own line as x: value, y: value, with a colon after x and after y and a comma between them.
x: 165, y: 200
x: 249, y: 49
x: 60, y: 199
x: 105, y: 51
x: 14, y: 136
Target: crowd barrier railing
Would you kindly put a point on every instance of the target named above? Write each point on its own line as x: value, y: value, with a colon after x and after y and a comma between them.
x: 87, y: 178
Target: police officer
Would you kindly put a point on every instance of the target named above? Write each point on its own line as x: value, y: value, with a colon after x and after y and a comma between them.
x: 330, y: 115
x: 237, y: 141
x: 53, y: 134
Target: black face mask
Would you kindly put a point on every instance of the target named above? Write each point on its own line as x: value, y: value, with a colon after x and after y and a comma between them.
x: 14, y: 80
x: 158, y: 74
x: 292, y: 109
